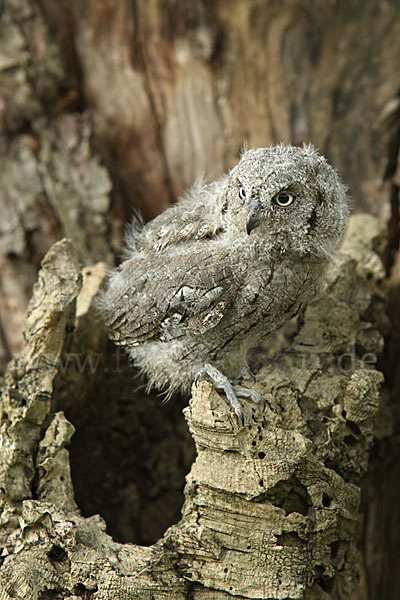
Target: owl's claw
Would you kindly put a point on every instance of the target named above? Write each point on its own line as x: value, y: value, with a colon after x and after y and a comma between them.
x: 246, y: 373
x: 199, y: 377
x: 221, y: 383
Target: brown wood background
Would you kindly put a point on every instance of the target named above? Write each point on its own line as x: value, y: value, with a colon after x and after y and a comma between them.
x: 107, y: 105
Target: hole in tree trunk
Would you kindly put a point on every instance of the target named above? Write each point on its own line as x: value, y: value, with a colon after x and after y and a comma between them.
x: 130, y: 453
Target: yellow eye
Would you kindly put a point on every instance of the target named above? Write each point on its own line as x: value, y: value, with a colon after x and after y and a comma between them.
x: 284, y: 199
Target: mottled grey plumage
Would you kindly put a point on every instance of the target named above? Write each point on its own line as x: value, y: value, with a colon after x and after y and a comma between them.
x: 228, y: 264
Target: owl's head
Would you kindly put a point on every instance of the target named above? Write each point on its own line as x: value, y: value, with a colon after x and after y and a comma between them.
x: 291, y: 197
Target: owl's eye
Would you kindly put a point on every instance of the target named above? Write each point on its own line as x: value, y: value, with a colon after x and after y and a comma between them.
x: 284, y: 199
x: 242, y: 193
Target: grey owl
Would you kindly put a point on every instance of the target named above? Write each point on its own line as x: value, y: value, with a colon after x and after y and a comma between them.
x: 227, y: 265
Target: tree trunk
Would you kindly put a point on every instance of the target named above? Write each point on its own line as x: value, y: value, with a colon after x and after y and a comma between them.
x: 271, y: 510
x: 107, y: 106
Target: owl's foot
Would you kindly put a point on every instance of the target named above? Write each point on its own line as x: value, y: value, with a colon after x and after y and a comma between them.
x: 221, y: 383
x: 248, y: 393
x: 246, y: 373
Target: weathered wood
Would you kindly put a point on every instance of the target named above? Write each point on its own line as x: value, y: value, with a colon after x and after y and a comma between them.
x: 271, y: 509
x: 163, y: 92
x: 173, y: 90
x: 176, y: 87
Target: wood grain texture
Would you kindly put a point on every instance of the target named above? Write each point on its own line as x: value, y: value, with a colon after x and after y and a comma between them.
x: 163, y: 92
x: 186, y: 83
x: 173, y: 90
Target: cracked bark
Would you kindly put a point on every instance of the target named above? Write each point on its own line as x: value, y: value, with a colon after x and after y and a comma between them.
x: 107, y: 106
x: 271, y: 510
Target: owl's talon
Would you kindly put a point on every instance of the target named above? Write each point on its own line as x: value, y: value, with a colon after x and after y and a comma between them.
x: 246, y: 373
x: 239, y: 415
x: 199, y: 377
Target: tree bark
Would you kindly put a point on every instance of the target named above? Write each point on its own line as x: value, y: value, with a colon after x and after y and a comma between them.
x: 106, y: 106
x: 164, y: 92
x: 271, y: 509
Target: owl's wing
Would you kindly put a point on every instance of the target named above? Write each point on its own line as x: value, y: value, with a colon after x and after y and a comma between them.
x: 158, y: 297
x: 182, y: 230
x: 197, y: 216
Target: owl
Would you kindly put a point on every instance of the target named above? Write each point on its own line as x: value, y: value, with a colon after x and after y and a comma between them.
x: 228, y: 264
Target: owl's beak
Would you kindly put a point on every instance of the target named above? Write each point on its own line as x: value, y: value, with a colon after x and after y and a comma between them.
x: 253, y: 215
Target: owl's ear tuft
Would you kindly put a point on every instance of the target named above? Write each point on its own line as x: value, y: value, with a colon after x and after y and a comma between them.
x: 244, y: 148
x: 310, y: 149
